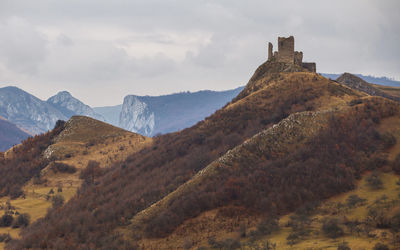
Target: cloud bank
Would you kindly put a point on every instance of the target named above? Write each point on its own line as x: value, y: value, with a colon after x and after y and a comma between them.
x: 102, y: 50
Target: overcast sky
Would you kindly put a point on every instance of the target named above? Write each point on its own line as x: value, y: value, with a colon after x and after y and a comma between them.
x: 102, y: 50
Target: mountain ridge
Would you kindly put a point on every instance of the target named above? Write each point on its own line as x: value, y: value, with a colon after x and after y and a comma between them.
x: 70, y: 106
x: 151, y: 115
x: 385, y: 81
x: 28, y: 111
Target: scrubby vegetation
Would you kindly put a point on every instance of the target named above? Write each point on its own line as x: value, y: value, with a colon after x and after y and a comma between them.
x: 281, y: 182
x: 26, y: 161
x: 59, y: 167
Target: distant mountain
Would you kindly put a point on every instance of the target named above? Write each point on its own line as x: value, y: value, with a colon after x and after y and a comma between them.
x: 110, y: 113
x: 10, y: 134
x: 27, y: 111
x: 359, y: 84
x: 150, y: 115
x: 371, y: 79
x: 70, y: 106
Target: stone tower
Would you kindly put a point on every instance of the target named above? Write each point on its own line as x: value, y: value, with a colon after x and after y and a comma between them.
x: 287, y: 54
x: 285, y: 49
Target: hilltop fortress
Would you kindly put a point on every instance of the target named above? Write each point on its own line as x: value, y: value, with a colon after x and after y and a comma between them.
x: 286, y: 54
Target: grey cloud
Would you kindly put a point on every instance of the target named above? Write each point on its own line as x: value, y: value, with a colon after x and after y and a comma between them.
x: 22, y: 48
x: 162, y: 46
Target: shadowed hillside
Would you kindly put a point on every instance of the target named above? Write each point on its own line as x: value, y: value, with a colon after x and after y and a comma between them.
x: 306, y: 157
x: 49, y: 168
x: 10, y: 134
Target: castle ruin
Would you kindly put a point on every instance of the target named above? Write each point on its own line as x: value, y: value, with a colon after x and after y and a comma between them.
x: 286, y: 54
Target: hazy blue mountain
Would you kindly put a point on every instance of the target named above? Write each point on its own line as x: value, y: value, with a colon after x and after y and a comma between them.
x: 110, y: 113
x: 150, y: 115
x: 70, y: 106
x: 27, y: 111
x: 10, y: 134
x: 371, y: 79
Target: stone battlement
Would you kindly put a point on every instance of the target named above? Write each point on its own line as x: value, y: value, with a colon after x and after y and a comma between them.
x: 287, y: 54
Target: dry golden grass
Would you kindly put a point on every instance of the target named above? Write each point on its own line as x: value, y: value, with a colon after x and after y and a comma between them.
x: 209, y: 224
x: 85, y: 139
x: 198, y: 230
x: 308, y: 80
x: 394, y: 91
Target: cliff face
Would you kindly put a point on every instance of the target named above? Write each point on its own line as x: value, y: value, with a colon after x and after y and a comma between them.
x: 27, y: 111
x: 70, y: 106
x: 150, y: 115
x: 136, y: 116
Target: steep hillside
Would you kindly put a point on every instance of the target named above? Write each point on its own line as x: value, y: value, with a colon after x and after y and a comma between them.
x: 359, y: 84
x: 151, y: 115
x: 393, y: 91
x: 50, y: 168
x: 306, y: 157
x: 27, y: 111
x: 154, y: 172
x: 85, y: 139
x: 22, y: 162
x: 10, y: 134
x: 70, y: 106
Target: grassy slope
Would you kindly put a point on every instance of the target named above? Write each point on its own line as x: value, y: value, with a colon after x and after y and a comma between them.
x: 83, y: 139
x: 318, y: 239
x: 394, y: 91
x: 277, y: 94
x: 198, y: 230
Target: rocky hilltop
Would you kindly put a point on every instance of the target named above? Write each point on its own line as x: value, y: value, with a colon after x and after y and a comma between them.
x: 359, y: 84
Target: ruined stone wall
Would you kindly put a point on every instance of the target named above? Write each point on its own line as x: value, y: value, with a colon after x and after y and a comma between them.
x: 270, y: 47
x: 298, y: 58
x: 286, y: 54
x: 285, y: 49
x: 310, y: 66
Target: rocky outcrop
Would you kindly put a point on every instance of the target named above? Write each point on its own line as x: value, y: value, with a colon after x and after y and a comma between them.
x: 136, y: 116
x: 359, y: 84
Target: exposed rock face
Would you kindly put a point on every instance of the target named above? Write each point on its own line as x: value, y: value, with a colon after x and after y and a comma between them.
x: 136, y: 116
x: 70, y: 106
x: 150, y: 115
x: 28, y: 112
x: 359, y: 84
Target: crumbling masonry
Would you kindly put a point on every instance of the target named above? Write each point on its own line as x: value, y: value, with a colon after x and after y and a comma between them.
x: 286, y: 54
